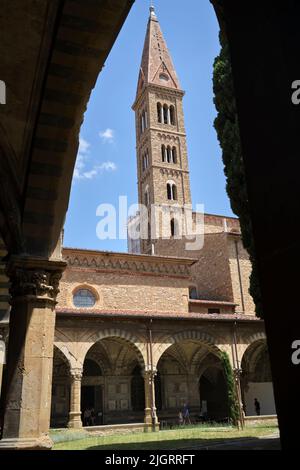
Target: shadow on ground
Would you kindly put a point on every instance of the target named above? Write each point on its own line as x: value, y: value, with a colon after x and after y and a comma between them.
x: 244, y: 443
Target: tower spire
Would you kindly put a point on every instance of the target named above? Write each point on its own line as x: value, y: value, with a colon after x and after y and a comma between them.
x: 157, y: 67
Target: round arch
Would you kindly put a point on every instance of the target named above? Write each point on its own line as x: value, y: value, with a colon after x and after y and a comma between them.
x: 168, y: 341
x: 122, y: 335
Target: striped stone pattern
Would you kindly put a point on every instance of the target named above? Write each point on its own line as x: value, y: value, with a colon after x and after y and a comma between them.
x: 4, y: 286
x: 83, y: 36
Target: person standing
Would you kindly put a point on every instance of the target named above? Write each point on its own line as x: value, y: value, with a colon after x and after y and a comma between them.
x: 257, y: 406
x: 186, y: 414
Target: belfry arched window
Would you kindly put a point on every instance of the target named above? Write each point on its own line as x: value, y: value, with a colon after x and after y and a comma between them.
x: 172, y: 115
x: 169, y: 154
x: 163, y: 153
x: 174, y: 155
x: 171, y: 191
x: 159, y: 113
x: 166, y: 114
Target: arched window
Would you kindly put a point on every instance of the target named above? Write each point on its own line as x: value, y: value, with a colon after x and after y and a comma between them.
x: 169, y: 154
x: 166, y: 114
x: 163, y: 153
x: 174, y: 192
x: 146, y: 197
x: 193, y: 294
x: 169, y: 191
x: 159, y: 113
x: 84, y: 298
x: 172, y: 115
x: 174, y: 155
x: 172, y: 228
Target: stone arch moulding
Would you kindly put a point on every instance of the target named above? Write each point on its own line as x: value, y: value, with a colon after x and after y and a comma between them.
x: 138, y: 345
x: 201, y: 336
x: 260, y: 336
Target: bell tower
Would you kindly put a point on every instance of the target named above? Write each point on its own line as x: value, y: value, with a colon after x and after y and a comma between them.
x: 162, y: 161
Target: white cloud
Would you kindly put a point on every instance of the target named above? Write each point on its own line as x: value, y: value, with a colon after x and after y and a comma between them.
x: 107, y: 136
x: 84, y: 146
x: 80, y: 171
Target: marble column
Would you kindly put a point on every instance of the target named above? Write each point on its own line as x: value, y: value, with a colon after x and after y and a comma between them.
x: 26, y: 390
x: 75, y: 399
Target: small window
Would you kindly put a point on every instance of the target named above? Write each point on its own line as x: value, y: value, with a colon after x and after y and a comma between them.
x: 193, y: 294
x: 169, y: 191
x: 84, y: 298
x: 164, y: 77
x: 213, y: 310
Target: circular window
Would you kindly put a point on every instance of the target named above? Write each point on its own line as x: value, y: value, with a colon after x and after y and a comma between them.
x: 84, y: 298
x: 164, y: 77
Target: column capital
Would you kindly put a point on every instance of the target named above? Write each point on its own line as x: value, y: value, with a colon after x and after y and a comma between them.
x: 35, y: 277
x: 76, y: 374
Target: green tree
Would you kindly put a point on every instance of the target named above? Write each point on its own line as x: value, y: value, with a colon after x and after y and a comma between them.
x: 233, y: 406
x: 226, y: 125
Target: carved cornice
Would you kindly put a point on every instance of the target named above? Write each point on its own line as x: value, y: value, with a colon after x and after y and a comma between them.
x: 153, y: 265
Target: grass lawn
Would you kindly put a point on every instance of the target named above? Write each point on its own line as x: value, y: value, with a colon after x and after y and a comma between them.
x: 185, y: 437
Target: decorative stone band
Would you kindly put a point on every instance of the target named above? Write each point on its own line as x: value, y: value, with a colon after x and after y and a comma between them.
x: 165, y: 266
x: 35, y: 277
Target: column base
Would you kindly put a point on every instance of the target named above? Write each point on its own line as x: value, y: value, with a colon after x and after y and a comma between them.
x: 75, y: 421
x: 151, y: 428
x: 30, y: 443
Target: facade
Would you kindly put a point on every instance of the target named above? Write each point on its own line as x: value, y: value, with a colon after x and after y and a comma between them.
x: 139, y: 334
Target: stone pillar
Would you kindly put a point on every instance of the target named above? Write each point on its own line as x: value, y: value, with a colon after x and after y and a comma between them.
x: 26, y: 397
x: 162, y: 114
x: 151, y: 419
x: 169, y: 116
x: 75, y: 399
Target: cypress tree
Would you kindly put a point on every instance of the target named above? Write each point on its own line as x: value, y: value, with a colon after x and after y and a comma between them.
x: 226, y: 125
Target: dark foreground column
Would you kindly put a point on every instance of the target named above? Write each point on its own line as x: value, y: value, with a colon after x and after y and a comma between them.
x: 26, y: 400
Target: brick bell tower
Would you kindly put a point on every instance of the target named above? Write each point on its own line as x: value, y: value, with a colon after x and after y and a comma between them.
x: 162, y: 162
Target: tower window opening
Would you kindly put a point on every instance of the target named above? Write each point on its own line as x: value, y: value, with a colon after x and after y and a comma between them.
x: 169, y: 154
x: 174, y: 227
x: 174, y: 155
x: 171, y: 192
x: 159, y: 113
x: 172, y: 115
x: 166, y: 114
x: 163, y: 153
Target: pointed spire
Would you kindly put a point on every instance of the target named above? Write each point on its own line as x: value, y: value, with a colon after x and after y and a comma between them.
x: 157, y: 66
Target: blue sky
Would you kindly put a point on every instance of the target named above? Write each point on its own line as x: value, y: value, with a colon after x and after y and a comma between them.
x: 106, y: 164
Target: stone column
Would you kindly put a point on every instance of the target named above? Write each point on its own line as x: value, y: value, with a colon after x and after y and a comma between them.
x: 26, y: 397
x: 75, y: 399
x: 151, y: 419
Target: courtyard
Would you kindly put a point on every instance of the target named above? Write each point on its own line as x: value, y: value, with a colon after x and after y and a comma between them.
x: 258, y: 436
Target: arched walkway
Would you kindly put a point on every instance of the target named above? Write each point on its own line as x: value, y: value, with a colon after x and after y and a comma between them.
x: 256, y: 380
x: 190, y: 372
x: 112, y: 382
